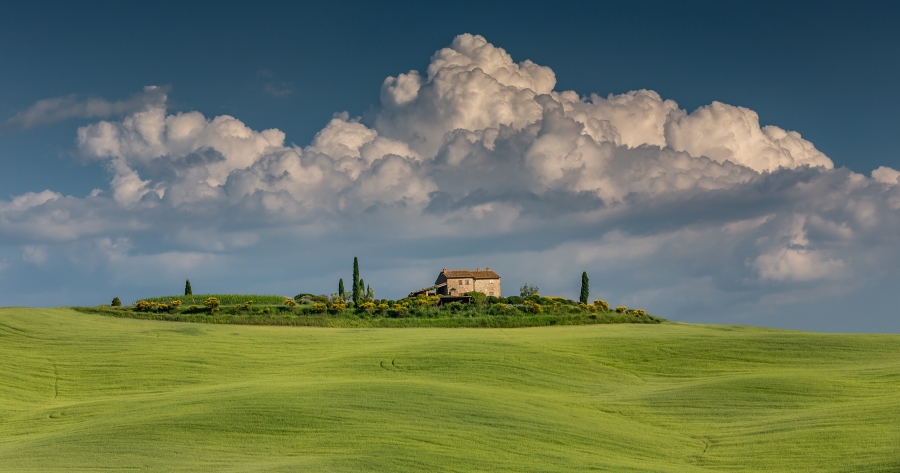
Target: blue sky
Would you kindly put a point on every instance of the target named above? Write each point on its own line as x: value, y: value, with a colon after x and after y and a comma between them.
x: 697, y: 246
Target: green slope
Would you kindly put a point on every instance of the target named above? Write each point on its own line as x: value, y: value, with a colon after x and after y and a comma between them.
x: 82, y: 392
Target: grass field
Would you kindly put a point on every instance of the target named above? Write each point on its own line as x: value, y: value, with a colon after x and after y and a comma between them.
x: 82, y: 392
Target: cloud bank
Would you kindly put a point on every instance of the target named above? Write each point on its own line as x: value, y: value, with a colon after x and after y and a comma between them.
x: 478, y: 159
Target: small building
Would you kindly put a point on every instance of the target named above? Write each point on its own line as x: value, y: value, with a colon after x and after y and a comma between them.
x: 456, y: 282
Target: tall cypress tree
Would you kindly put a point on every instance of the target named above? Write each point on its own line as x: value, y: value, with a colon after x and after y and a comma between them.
x: 356, y: 295
x: 187, y: 288
x: 362, y: 290
x: 341, y: 288
x: 585, y: 289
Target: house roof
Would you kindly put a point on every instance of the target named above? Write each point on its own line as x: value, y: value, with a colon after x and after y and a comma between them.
x: 466, y: 273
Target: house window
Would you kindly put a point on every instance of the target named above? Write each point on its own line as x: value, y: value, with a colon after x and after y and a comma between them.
x: 460, y: 282
x: 467, y: 282
x: 492, y: 293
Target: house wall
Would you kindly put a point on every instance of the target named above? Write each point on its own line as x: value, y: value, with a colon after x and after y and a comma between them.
x: 488, y: 287
x: 462, y: 285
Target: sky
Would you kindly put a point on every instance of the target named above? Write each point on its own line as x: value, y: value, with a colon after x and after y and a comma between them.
x: 715, y: 162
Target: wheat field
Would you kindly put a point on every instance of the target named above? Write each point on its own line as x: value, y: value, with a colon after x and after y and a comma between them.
x: 82, y: 392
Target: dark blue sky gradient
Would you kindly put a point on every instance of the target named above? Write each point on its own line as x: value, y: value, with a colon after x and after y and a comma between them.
x: 827, y: 70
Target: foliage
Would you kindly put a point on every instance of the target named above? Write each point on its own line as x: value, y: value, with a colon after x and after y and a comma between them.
x: 601, y: 304
x: 585, y: 288
x: 212, y: 303
x: 290, y: 303
x: 515, y: 300
x: 187, y: 288
x: 356, y: 293
x: 527, y: 291
x: 116, y: 302
x: 341, y: 289
x: 319, y: 307
x: 337, y: 306
x: 621, y: 309
x: 370, y: 293
x: 367, y: 307
x: 224, y: 299
x: 532, y: 307
x: 477, y: 297
x: 176, y: 304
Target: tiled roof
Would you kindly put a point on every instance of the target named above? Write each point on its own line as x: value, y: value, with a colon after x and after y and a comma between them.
x: 465, y: 273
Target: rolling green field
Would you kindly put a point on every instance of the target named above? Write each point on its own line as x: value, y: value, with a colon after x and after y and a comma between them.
x: 83, y: 392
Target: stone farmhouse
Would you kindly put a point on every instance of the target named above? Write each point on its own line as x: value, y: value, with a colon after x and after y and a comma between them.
x: 456, y: 282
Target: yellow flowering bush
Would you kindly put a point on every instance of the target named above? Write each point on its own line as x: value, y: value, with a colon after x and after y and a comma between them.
x: 532, y: 307
x: 601, y: 304
x: 211, y: 303
x: 142, y: 306
x: 176, y: 304
x: 367, y: 307
x: 319, y: 307
x: 290, y: 303
x: 621, y: 309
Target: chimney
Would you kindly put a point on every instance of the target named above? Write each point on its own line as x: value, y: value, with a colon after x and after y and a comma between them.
x: 445, y: 270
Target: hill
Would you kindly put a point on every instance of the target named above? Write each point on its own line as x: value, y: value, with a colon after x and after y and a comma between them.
x: 82, y: 392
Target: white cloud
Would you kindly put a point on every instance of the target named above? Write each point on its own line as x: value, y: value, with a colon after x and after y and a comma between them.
x: 481, y: 158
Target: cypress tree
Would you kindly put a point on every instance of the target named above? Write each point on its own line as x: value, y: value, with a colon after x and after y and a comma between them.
x: 341, y: 288
x: 187, y: 288
x: 362, y: 290
x: 585, y: 289
x: 356, y: 295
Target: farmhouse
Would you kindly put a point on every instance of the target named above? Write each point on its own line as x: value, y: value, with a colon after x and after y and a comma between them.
x: 454, y: 282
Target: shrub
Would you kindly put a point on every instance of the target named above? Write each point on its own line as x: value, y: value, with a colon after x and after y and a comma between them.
x: 400, y: 309
x: 367, y: 307
x: 176, y: 304
x: 212, y: 303
x: 582, y: 306
x: 621, y: 309
x: 515, y: 300
x: 600, y: 304
x: 477, y: 297
x: 532, y: 307
x: 382, y: 307
x: 496, y: 300
x: 635, y: 312
x: 454, y: 306
x: 116, y: 302
x: 337, y: 306
x: 319, y: 307
x: 290, y: 303
x: 142, y: 306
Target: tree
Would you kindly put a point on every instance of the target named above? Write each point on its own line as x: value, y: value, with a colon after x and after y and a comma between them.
x: 116, y: 302
x: 362, y: 290
x: 187, y: 288
x: 356, y: 295
x: 526, y: 290
x: 585, y: 288
x: 341, y: 288
x: 370, y: 294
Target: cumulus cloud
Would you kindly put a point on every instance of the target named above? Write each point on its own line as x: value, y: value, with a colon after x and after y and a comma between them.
x: 63, y: 108
x: 479, y: 157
